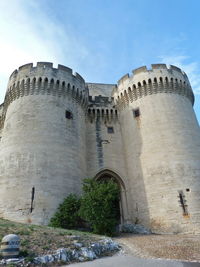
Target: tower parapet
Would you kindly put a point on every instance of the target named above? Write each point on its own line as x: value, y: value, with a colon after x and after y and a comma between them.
x: 158, y: 79
x: 44, y: 79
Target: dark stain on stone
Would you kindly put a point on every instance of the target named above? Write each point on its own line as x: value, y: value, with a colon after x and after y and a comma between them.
x: 99, y: 143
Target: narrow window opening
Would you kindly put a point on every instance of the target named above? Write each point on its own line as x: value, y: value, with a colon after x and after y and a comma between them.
x: 110, y: 130
x: 187, y: 189
x: 182, y: 201
x: 136, y: 113
x: 32, y: 198
x: 68, y: 114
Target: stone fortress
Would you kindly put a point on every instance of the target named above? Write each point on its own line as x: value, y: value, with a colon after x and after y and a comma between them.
x: 56, y: 130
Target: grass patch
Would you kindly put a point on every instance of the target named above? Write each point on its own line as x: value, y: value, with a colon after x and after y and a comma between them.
x: 40, y: 240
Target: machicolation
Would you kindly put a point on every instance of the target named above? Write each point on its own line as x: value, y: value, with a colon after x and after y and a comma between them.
x: 159, y: 79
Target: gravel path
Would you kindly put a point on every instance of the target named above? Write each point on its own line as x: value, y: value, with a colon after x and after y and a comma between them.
x: 178, y: 247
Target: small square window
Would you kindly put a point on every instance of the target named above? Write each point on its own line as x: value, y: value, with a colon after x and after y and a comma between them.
x: 136, y: 113
x: 68, y: 115
x: 110, y: 130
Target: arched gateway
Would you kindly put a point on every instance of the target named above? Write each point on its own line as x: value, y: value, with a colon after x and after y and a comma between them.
x: 106, y: 175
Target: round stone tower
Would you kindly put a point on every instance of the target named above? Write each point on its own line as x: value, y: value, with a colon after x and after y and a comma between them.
x: 162, y: 144
x: 42, y: 155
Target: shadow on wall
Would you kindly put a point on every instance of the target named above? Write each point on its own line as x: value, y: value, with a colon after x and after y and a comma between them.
x: 136, y: 191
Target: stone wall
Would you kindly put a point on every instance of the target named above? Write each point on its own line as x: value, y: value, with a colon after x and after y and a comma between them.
x: 162, y: 141
x: 1, y: 119
x: 42, y: 149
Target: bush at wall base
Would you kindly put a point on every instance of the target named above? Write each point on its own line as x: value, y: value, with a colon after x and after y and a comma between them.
x: 67, y: 214
x: 99, y: 206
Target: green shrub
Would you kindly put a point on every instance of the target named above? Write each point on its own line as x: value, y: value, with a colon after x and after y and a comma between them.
x: 100, y: 206
x: 67, y: 214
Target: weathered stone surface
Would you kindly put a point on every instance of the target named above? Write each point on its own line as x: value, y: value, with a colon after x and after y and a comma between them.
x: 78, y: 245
x: 92, y: 252
x: 135, y: 228
x: 87, y: 253
x: 13, y: 261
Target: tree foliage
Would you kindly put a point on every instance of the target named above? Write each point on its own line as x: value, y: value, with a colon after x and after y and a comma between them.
x: 100, y: 205
x: 67, y: 214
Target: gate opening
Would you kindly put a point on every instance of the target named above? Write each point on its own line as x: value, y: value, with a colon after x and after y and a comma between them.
x: 107, y: 175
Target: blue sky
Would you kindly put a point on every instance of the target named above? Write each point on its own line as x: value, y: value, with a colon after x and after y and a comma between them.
x: 101, y: 39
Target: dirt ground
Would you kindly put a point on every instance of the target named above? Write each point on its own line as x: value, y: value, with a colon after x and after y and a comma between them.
x: 179, y: 247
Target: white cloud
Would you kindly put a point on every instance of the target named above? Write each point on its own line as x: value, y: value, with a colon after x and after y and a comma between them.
x: 27, y: 35
x: 192, y: 69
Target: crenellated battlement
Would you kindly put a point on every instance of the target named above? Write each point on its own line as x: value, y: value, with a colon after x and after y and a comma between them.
x: 158, y: 79
x: 44, y: 79
x: 43, y: 69
x: 156, y: 69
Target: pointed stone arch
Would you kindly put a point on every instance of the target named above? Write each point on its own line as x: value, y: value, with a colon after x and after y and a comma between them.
x: 107, y: 174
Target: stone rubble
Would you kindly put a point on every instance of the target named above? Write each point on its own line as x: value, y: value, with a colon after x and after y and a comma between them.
x: 135, y: 229
x: 79, y: 254
x: 78, y: 245
x: 13, y: 261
